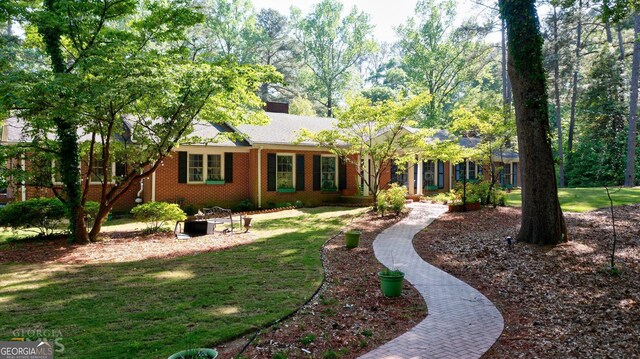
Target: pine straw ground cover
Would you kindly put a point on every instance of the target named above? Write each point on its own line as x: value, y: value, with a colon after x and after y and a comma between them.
x: 349, y: 316
x: 557, y: 302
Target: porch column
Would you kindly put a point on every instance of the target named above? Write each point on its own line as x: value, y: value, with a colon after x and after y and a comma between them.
x: 420, y: 177
x: 365, y: 169
x: 410, y: 178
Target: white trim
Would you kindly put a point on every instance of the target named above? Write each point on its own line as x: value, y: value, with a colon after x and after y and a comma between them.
x: 53, y: 174
x: 153, y: 186
x: 335, y: 160
x: 111, y: 175
x: 293, y: 167
x: 420, y: 179
x: 260, y: 177
x: 205, y: 160
x: 23, y: 163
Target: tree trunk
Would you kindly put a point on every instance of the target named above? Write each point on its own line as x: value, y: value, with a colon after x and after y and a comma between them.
x: 67, y: 131
x: 329, y: 107
x: 506, y: 86
x: 542, y: 221
x: 620, y: 42
x: 629, y: 175
x: 574, y: 91
x: 556, y: 89
x: 607, y: 30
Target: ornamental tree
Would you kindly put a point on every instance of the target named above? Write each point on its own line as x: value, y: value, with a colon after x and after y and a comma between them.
x: 122, y: 89
x: 382, y: 131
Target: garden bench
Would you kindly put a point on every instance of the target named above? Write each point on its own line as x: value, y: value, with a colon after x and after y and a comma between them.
x: 206, y: 220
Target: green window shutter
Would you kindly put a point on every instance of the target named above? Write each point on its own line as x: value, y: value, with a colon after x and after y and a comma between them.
x: 271, y: 172
x: 316, y: 173
x: 299, y: 172
x: 182, y: 167
x: 342, y: 174
x: 228, y: 167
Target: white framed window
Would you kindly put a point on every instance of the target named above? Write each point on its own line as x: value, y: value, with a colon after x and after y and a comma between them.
x: 214, y: 167
x: 329, y: 173
x: 56, y: 176
x: 472, y: 170
x: 285, y: 171
x: 203, y: 167
x: 429, y: 173
x: 196, y: 167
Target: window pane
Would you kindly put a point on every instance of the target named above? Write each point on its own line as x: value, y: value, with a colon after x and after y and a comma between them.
x: 195, y: 168
x: 507, y: 173
x: 214, y: 167
x: 284, y: 171
x: 429, y: 174
x: 328, y: 172
x: 97, y: 174
x: 472, y: 170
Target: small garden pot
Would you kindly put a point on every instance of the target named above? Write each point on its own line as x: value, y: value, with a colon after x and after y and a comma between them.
x: 391, y: 282
x: 195, y: 354
x: 352, y: 239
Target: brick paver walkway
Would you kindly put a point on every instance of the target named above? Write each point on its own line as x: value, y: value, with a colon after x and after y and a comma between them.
x: 462, y: 323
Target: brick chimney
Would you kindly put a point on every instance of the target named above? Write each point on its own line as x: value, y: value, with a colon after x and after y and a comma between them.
x: 279, y: 107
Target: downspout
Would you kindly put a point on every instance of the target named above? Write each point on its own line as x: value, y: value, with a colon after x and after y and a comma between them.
x: 260, y: 177
x: 153, y: 186
x: 138, y: 198
x: 23, y: 163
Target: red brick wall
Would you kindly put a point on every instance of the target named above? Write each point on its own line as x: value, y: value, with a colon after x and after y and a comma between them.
x: 124, y: 203
x: 309, y: 197
x: 227, y: 195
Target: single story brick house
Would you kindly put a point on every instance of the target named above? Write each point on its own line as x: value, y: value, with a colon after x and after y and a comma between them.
x: 268, y: 168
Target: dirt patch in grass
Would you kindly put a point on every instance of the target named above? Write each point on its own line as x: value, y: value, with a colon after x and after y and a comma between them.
x: 557, y: 302
x: 117, y: 247
x: 349, y: 316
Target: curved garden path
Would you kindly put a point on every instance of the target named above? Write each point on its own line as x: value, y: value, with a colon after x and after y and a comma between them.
x: 462, y: 323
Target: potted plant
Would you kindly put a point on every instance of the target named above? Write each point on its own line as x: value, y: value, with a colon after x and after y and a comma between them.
x: 199, y: 353
x: 391, y: 282
x: 352, y: 238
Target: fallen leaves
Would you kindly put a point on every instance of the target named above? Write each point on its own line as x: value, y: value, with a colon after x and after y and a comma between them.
x: 557, y: 302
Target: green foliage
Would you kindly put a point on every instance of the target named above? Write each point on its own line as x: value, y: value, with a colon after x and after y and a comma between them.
x: 331, y: 47
x: 243, y: 206
x: 391, y: 272
x: 599, y: 156
x: 190, y: 210
x: 439, y: 57
x: 280, y: 355
x: 300, y: 105
x: 157, y: 214
x: 308, y: 339
x: 44, y: 214
x: 392, y: 199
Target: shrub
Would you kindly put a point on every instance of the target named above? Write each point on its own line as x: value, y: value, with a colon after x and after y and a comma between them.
x: 190, y: 210
x: 299, y: 204
x: 393, y: 198
x: 91, y: 209
x: 243, y: 206
x: 157, y: 214
x: 44, y: 214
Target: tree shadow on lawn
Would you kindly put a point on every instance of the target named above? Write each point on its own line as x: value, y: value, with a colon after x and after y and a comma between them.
x: 152, y: 308
x: 556, y: 301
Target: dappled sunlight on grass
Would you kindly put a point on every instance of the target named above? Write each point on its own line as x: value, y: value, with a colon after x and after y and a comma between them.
x: 226, y: 311
x: 174, y: 275
x: 585, y: 199
x: 109, y: 309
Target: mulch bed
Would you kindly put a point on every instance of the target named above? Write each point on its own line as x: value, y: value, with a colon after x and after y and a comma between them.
x: 557, y: 302
x: 349, y: 316
x: 117, y: 247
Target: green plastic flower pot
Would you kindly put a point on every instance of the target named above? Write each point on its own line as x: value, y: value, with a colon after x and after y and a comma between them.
x: 195, y: 353
x: 391, y: 283
x: 352, y: 239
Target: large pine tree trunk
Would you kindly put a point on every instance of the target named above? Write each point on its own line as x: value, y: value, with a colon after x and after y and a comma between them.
x: 574, y: 91
x: 506, y: 86
x: 556, y: 89
x: 542, y: 221
x: 629, y: 175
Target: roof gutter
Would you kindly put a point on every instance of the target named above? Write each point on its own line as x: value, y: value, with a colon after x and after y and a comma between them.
x: 260, y: 177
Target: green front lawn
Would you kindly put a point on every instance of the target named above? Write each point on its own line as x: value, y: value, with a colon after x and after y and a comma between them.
x: 585, y: 199
x: 153, y: 308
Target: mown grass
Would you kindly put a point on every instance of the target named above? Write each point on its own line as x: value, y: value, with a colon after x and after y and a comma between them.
x: 153, y: 308
x: 585, y: 199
